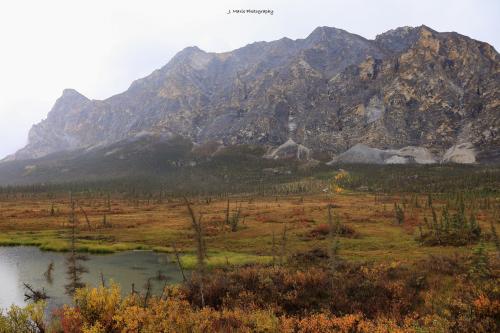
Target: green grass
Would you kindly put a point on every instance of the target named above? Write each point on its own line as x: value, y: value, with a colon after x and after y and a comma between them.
x: 163, y: 249
x: 50, y: 241
x: 54, y: 245
x: 219, y: 259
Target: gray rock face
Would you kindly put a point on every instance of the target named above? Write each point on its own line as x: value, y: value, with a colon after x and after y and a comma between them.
x: 417, y: 154
x: 463, y: 153
x: 361, y: 153
x: 327, y: 92
x: 290, y: 150
x: 57, y: 132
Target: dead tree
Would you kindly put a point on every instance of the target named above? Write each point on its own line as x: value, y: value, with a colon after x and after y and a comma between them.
x: 34, y: 295
x: 103, y: 280
x: 149, y: 288
x: 179, y: 263
x: 283, y: 244
x: 86, y: 217
x: 274, y: 249
x: 233, y: 220
x: 74, y: 267
x: 200, y: 246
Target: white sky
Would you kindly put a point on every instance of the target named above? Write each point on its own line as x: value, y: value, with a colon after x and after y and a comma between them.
x: 100, y: 47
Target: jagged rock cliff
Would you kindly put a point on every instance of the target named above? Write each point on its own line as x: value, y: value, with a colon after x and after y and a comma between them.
x: 440, y: 91
x: 325, y: 93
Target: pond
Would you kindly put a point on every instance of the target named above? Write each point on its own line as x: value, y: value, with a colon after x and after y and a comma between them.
x: 22, y: 264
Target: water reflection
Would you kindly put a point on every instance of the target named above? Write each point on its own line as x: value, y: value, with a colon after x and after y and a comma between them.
x: 20, y: 265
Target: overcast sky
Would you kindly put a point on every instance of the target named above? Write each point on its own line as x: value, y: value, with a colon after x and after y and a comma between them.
x: 100, y: 47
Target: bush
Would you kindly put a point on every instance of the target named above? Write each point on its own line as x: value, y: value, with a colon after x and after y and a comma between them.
x: 368, y: 290
x: 23, y: 320
x: 356, y: 298
x: 322, y: 230
x: 455, y: 230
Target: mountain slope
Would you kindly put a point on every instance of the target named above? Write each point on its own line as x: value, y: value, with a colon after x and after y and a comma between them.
x: 327, y: 92
x: 151, y: 161
x: 440, y: 91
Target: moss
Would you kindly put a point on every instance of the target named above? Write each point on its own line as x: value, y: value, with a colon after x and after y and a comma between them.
x: 55, y: 245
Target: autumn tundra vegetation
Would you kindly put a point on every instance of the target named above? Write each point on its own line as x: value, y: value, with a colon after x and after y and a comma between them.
x: 344, y: 249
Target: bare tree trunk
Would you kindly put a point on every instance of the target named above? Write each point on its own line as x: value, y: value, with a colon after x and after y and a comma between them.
x: 103, y: 282
x: 74, y: 268
x: 283, y: 245
x: 179, y: 262
x: 200, y: 246
x: 86, y: 217
x: 274, y: 249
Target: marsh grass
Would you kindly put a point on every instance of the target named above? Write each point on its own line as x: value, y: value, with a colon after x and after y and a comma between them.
x: 26, y: 221
x: 61, y: 245
x: 222, y: 258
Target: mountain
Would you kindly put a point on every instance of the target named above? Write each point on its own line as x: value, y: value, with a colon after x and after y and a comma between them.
x: 441, y: 93
x: 411, y: 89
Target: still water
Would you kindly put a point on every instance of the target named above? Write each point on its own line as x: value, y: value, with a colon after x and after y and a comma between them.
x: 24, y: 264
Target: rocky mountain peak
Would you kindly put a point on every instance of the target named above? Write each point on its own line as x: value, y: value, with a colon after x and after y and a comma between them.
x: 325, y: 33
x: 397, y: 40
x: 402, y: 38
x: 69, y: 100
x: 72, y: 96
x: 322, y: 36
x: 188, y: 54
x: 71, y: 93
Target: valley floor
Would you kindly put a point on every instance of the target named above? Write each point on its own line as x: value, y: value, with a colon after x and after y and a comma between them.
x: 338, y: 260
x: 124, y: 224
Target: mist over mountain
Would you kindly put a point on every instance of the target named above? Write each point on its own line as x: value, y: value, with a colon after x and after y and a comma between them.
x: 411, y: 95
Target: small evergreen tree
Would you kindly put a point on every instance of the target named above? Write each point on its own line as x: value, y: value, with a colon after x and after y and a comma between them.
x: 399, y: 214
x: 480, y: 265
